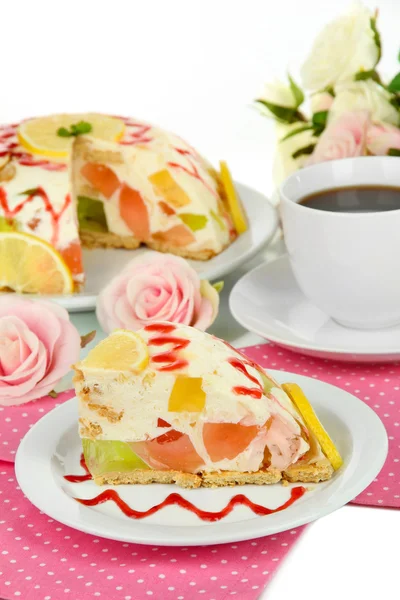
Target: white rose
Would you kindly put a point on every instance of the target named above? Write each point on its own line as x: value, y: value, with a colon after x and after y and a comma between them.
x: 344, y: 47
x: 284, y: 164
x: 282, y: 97
x: 364, y: 95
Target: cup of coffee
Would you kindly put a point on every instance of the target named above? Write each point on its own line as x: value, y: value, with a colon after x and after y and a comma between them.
x: 341, y: 221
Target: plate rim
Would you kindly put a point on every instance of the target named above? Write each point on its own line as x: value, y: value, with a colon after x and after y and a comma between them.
x: 76, y: 303
x: 297, y: 345
x: 226, y: 532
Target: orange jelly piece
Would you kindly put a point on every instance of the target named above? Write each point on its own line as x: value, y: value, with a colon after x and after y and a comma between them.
x: 187, y: 395
x: 166, y: 187
x: 133, y: 211
x: 101, y: 177
x: 227, y: 440
x: 172, y: 450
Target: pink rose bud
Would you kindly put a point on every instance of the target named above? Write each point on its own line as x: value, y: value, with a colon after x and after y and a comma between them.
x: 38, y: 345
x: 343, y: 138
x: 381, y: 138
x: 157, y: 287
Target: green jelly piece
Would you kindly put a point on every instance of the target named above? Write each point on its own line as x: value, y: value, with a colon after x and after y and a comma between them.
x: 91, y: 214
x: 267, y: 383
x: 218, y: 220
x: 105, y: 456
x: 194, y: 222
x: 7, y: 224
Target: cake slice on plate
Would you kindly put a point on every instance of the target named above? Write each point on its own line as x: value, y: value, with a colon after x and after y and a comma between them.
x: 171, y: 404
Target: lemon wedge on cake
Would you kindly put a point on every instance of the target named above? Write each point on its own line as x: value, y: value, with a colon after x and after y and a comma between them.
x: 51, y: 136
x: 123, y: 350
x: 235, y: 206
x: 297, y: 396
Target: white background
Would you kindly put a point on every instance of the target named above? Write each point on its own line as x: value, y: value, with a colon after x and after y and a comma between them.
x: 194, y: 67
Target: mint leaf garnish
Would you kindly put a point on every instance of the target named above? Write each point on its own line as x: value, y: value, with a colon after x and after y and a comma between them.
x: 76, y: 129
x: 30, y: 192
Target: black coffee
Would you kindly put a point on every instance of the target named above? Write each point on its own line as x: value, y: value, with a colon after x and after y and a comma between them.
x: 355, y: 199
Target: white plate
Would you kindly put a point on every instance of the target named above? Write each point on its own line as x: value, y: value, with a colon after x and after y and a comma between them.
x: 268, y: 302
x: 103, y: 264
x: 52, y: 447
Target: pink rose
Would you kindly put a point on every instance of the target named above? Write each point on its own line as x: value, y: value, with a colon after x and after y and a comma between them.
x: 157, y: 287
x: 380, y: 138
x: 38, y: 345
x: 343, y: 138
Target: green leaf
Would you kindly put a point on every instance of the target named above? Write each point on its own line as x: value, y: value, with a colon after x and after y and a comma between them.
x: 398, y: 56
x: 296, y: 91
x: 395, y: 102
x: 30, y: 192
x: 53, y: 394
x: 63, y: 132
x: 364, y: 75
x: 282, y: 113
x: 394, y: 85
x: 320, y: 118
x: 219, y: 286
x: 394, y: 152
x: 305, y: 150
x: 377, y: 37
x: 296, y: 131
x: 76, y: 129
x: 87, y: 338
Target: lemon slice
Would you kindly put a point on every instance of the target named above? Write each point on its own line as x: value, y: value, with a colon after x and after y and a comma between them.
x: 123, y: 350
x: 30, y: 265
x: 237, y: 212
x: 40, y: 135
x: 311, y: 420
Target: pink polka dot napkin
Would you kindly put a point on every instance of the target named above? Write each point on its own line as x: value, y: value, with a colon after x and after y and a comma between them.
x: 15, y: 421
x: 376, y: 385
x: 41, y: 559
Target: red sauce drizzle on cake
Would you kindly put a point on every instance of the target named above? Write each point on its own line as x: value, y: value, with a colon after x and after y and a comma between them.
x: 170, y: 357
x: 178, y: 500
x: 48, y: 207
x: 241, y: 366
x: 160, y: 327
x: 242, y: 390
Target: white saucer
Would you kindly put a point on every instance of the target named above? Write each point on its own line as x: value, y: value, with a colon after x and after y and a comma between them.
x: 101, y: 265
x: 51, y: 449
x: 268, y: 302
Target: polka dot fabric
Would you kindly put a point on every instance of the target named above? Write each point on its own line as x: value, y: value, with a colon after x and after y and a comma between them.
x: 376, y: 385
x: 15, y: 421
x: 41, y: 559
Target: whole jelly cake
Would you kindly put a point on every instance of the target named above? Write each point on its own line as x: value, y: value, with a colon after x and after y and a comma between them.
x: 172, y: 404
x: 103, y: 181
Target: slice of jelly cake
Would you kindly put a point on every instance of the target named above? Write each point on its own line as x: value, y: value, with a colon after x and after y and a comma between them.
x: 174, y: 404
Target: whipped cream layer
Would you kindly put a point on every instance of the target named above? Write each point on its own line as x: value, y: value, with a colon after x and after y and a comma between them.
x: 128, y: 407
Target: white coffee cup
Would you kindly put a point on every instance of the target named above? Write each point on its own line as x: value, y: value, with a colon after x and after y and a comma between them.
x: 347, y: 264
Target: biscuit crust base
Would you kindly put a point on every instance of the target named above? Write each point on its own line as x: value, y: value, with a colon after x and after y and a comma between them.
x: 312, y: 473
x: 100, y: 239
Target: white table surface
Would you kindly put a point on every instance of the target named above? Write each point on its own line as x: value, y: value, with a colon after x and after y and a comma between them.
x: 351, y: 552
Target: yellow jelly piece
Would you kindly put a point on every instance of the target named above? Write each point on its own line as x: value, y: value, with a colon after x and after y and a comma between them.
x: 194, y: 222
x: 298, y: 398
x: 166, y: 187
x: 187, y: 395
x: 235, y: 206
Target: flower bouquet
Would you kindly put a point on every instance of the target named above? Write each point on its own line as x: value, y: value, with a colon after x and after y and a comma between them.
x: 352, y: 110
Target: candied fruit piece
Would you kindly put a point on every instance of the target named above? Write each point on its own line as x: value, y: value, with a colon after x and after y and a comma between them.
x: 101, y: 177
x: 166, y: 187
x: 91, y: 214
x: 227, y: 440
x: 187, y: 395
x: 133, y: 211
x: 105, y: 456
x: 179, y: 235
x: 172, y: 450
x: 194, y: 222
